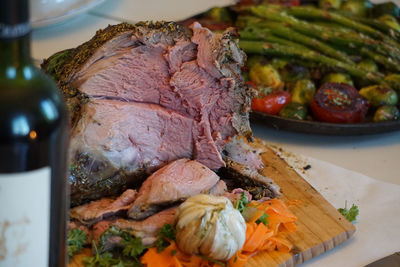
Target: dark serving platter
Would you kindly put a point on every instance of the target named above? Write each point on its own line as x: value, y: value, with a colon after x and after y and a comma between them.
x: 316, y: 127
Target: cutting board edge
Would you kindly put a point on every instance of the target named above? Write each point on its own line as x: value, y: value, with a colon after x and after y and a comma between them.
x: 312, y: 252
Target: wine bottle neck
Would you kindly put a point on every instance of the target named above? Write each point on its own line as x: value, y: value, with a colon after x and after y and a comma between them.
x: 15, y: 52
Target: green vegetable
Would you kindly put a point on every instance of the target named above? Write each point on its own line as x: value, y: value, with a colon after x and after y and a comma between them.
x: 359, y: 8
x: 313, y: 13
x: 379, y: 26
x: 255, y: 59
x: 76, y: 240
x: 379, y: 95
x: 368, y: 64
x: 269, y: 49
x: 390, y: 21
x: 132, y: 246
x: 294, y: 111
x: 335, y: 35
x: 393, y: 81
x: 338, y: 78
x: 263, y: 219
x: 257, y: 33
x: 387, y: 8
x: 291, y: 71
x: 166, y: 234
x: 283, y: 31
x: 241, y: 204
x: 350, y: 214
x: 329, y: 4
x: 303, y: 91
x: 386, y: 113
x: 219, y: 14
x: 305, y: 12
x: 388, y: 62
x: 266, y: 75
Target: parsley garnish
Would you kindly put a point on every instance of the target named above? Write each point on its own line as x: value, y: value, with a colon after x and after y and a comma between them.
x: 263, y: 219
x: 241, y: 204
x: 76, y: 239
x: 350, y: 214
x: 100, y: 259
x: 132, y: 248
x: 165, y: 235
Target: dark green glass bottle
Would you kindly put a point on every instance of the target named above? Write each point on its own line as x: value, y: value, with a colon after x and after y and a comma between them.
x: 33, y: 145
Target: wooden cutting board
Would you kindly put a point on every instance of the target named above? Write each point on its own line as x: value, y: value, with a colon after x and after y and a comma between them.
x: 320, y: 226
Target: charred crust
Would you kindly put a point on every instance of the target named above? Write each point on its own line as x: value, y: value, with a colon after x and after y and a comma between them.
x: 236, y: 179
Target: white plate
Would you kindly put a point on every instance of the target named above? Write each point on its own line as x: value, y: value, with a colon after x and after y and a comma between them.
x: 49, y: 12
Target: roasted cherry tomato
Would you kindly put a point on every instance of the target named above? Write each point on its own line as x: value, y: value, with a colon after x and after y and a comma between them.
x: 339, y: 103
x: 271, y: 103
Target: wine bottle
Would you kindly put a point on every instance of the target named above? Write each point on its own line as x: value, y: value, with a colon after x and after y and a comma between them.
x: 33, y: 146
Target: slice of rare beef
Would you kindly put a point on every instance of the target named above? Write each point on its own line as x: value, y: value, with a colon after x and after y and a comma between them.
x: 98, y: 210
x: 143, y: 95
x: 147, y: 229
x: 239, y: 150
x: 172, y: 184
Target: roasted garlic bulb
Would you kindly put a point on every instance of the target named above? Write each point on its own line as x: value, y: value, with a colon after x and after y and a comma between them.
x: 210, y: 226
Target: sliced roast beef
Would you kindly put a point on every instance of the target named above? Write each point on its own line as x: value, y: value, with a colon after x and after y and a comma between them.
x: 143, y: 95
x: 172, y: 184
x: 238, y: 175
x: 219, y: 189
x: 147, y: 229
x: 240, y: 151
x: 103, y: 208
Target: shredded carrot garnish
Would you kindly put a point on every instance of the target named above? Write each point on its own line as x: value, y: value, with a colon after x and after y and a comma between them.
x: 259, y: 237
x: 293, y: 202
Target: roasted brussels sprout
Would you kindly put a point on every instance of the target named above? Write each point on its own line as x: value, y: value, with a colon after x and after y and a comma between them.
x: 290, y: 71
x: 330, y: 4
x: 387, y: 8
x: 266, y: 75
x: 337, y: 78
x: 303, y: 91
x: 357, y: 7
x: 379, y: 95
x: 393, y: 81
x: 390, y: 21
x: 386, y: 113
x: 368, y: 64
x: 294, y: 111
x: 219, y: 14
x: 256, y: 59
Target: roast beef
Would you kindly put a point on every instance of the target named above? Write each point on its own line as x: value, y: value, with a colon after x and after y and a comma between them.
x: 143, y: 95
x: 172, y: 184
x: 106, y: 207
x: 238, y: 175
x: 147, y: 229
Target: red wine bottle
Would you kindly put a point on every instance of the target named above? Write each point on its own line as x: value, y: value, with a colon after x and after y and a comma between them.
x: 33, y: 146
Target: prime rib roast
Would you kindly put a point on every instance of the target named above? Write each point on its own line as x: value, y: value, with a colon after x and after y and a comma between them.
x: 142, y: 96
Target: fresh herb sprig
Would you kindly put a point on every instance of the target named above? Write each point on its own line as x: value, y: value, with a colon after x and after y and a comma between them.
x: 241, y: 203
x: 132, y: 249
x: 76, y: 240
x: 263, y: 219
x: 350, y: 214
x: 166, y: 234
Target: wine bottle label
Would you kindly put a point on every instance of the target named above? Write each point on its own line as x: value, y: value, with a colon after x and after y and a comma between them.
x: 25, y: 218
x: 13, y: 31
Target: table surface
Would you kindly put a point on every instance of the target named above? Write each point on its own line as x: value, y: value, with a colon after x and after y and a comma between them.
x: 377, y: 156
